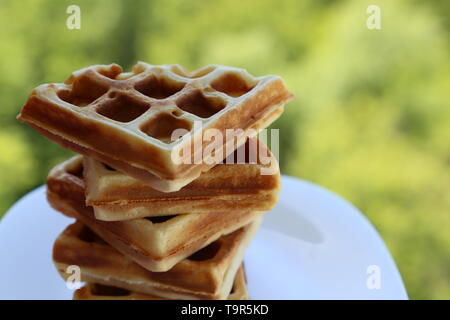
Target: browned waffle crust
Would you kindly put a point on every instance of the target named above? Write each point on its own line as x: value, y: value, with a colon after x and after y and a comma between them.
x: 86, y: 114
x: 95, y: 291
x: 155, y: 243
x: 207, y: 274
x: 225, y: 188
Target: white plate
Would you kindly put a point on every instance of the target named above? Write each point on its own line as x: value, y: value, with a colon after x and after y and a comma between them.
x: 313, y: 245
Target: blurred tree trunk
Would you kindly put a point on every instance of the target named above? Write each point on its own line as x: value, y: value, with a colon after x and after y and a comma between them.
x: 125, y: 37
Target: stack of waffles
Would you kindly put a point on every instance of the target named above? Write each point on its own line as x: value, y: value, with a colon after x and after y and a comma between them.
x: 162, y: 210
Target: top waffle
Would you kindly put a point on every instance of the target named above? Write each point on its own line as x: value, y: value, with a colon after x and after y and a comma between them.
x: 126, y: 119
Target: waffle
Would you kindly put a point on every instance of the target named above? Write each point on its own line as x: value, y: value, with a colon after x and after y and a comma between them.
x: 86, y: 114
x: 95, y: 291
x: 226, y: 187
x: 207, y: 274
x: 156, y: 243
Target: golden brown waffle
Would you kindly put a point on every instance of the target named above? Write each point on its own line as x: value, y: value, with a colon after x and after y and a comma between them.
x: 95, y: 291
x: 225, y: 188
x: 126, y: 119
x: 207, y: 274
x: 156, y: 243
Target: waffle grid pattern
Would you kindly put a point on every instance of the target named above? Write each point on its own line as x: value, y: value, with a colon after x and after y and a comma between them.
x: 159, y: 99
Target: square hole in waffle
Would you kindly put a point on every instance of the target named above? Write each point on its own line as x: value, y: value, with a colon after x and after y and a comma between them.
x: 226, y: 187
x: 159, y: 86
x: 156, y: 243
x: 209, y: 274
x: 162, y: 126
x: 126, y: 119
x: 112, y: 108
x: 199, y: 104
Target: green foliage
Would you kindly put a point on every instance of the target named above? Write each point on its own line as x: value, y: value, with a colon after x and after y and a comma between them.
x: 371, y: 119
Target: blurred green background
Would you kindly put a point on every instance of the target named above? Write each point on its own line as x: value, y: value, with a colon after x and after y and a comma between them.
x: 371, y: 120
